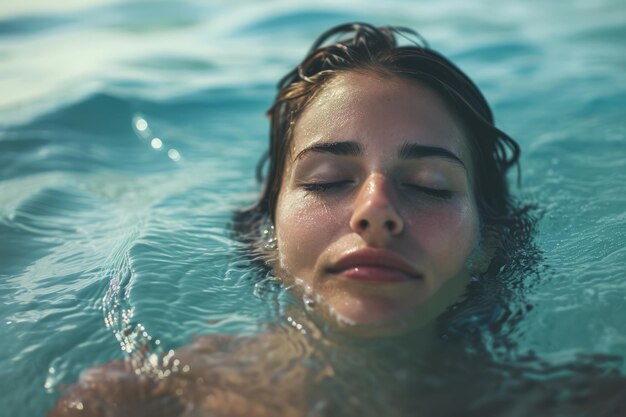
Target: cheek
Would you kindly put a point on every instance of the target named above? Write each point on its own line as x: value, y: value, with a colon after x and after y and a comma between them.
x: 446, y: 236
x: 304, y: 230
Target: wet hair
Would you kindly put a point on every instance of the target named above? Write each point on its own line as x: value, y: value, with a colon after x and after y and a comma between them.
x: 365, y: 48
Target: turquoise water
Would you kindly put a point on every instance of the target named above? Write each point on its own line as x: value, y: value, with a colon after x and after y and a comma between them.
x: 111, y: 239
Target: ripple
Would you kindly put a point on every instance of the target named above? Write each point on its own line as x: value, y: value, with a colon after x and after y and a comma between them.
x: 32, y: 25
x: 282, y: 21
x: 501, y: 51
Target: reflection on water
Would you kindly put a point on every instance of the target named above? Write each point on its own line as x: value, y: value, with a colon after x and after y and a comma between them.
x: 173, y: 154
x: 140, y: 125
x: 156, y: 143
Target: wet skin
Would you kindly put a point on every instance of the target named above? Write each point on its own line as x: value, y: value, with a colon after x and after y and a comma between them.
x: 376, y: 216
x: 375, y: 219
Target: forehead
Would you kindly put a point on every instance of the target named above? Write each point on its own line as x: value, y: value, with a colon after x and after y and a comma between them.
x: 378, y: 111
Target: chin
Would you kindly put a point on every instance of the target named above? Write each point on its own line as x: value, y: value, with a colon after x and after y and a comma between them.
x: 369, y: 310
x: 376, y: 315
x: 373, y: 316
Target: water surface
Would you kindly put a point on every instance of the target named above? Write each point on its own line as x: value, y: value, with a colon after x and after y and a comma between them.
x: 129, y: 131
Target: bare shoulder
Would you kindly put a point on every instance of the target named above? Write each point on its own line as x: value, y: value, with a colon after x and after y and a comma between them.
x: 115, y: 389
x: 221, y: 375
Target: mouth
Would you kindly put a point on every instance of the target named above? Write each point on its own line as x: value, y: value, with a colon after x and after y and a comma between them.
x: 375, y: 266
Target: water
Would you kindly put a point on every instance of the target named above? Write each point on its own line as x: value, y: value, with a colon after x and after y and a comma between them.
x: 111, y: 240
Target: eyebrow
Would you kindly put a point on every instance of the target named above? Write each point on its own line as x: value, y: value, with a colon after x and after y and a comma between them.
x: 415, y: 151
x: 335, y: 148
x: 407, y: 151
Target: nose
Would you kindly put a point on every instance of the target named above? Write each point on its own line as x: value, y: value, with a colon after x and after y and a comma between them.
x: 374, y: 215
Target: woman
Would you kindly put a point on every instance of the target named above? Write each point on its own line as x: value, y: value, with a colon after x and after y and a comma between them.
x: 387, y: 183
x: 386, y: 193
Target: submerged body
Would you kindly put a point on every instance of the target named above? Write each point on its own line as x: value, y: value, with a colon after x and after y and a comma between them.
x: 285, y: 373
x: 215, y: 375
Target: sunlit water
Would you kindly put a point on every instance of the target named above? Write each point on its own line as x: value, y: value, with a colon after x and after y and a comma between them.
x: 129, y: 132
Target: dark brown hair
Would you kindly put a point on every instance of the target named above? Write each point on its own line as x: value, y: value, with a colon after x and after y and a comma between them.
x: 362, y: 47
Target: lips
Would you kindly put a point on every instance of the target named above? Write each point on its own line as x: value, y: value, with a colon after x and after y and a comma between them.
x: 376, y: 266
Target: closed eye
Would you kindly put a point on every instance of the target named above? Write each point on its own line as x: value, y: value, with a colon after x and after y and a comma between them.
x: 320, y: 187
x: 432, y: 192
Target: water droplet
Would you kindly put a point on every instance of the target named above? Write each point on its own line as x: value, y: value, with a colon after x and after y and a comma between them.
x: 309, y: 302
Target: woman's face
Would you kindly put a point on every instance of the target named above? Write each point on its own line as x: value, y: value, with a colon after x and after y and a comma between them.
x: 376, y: 216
